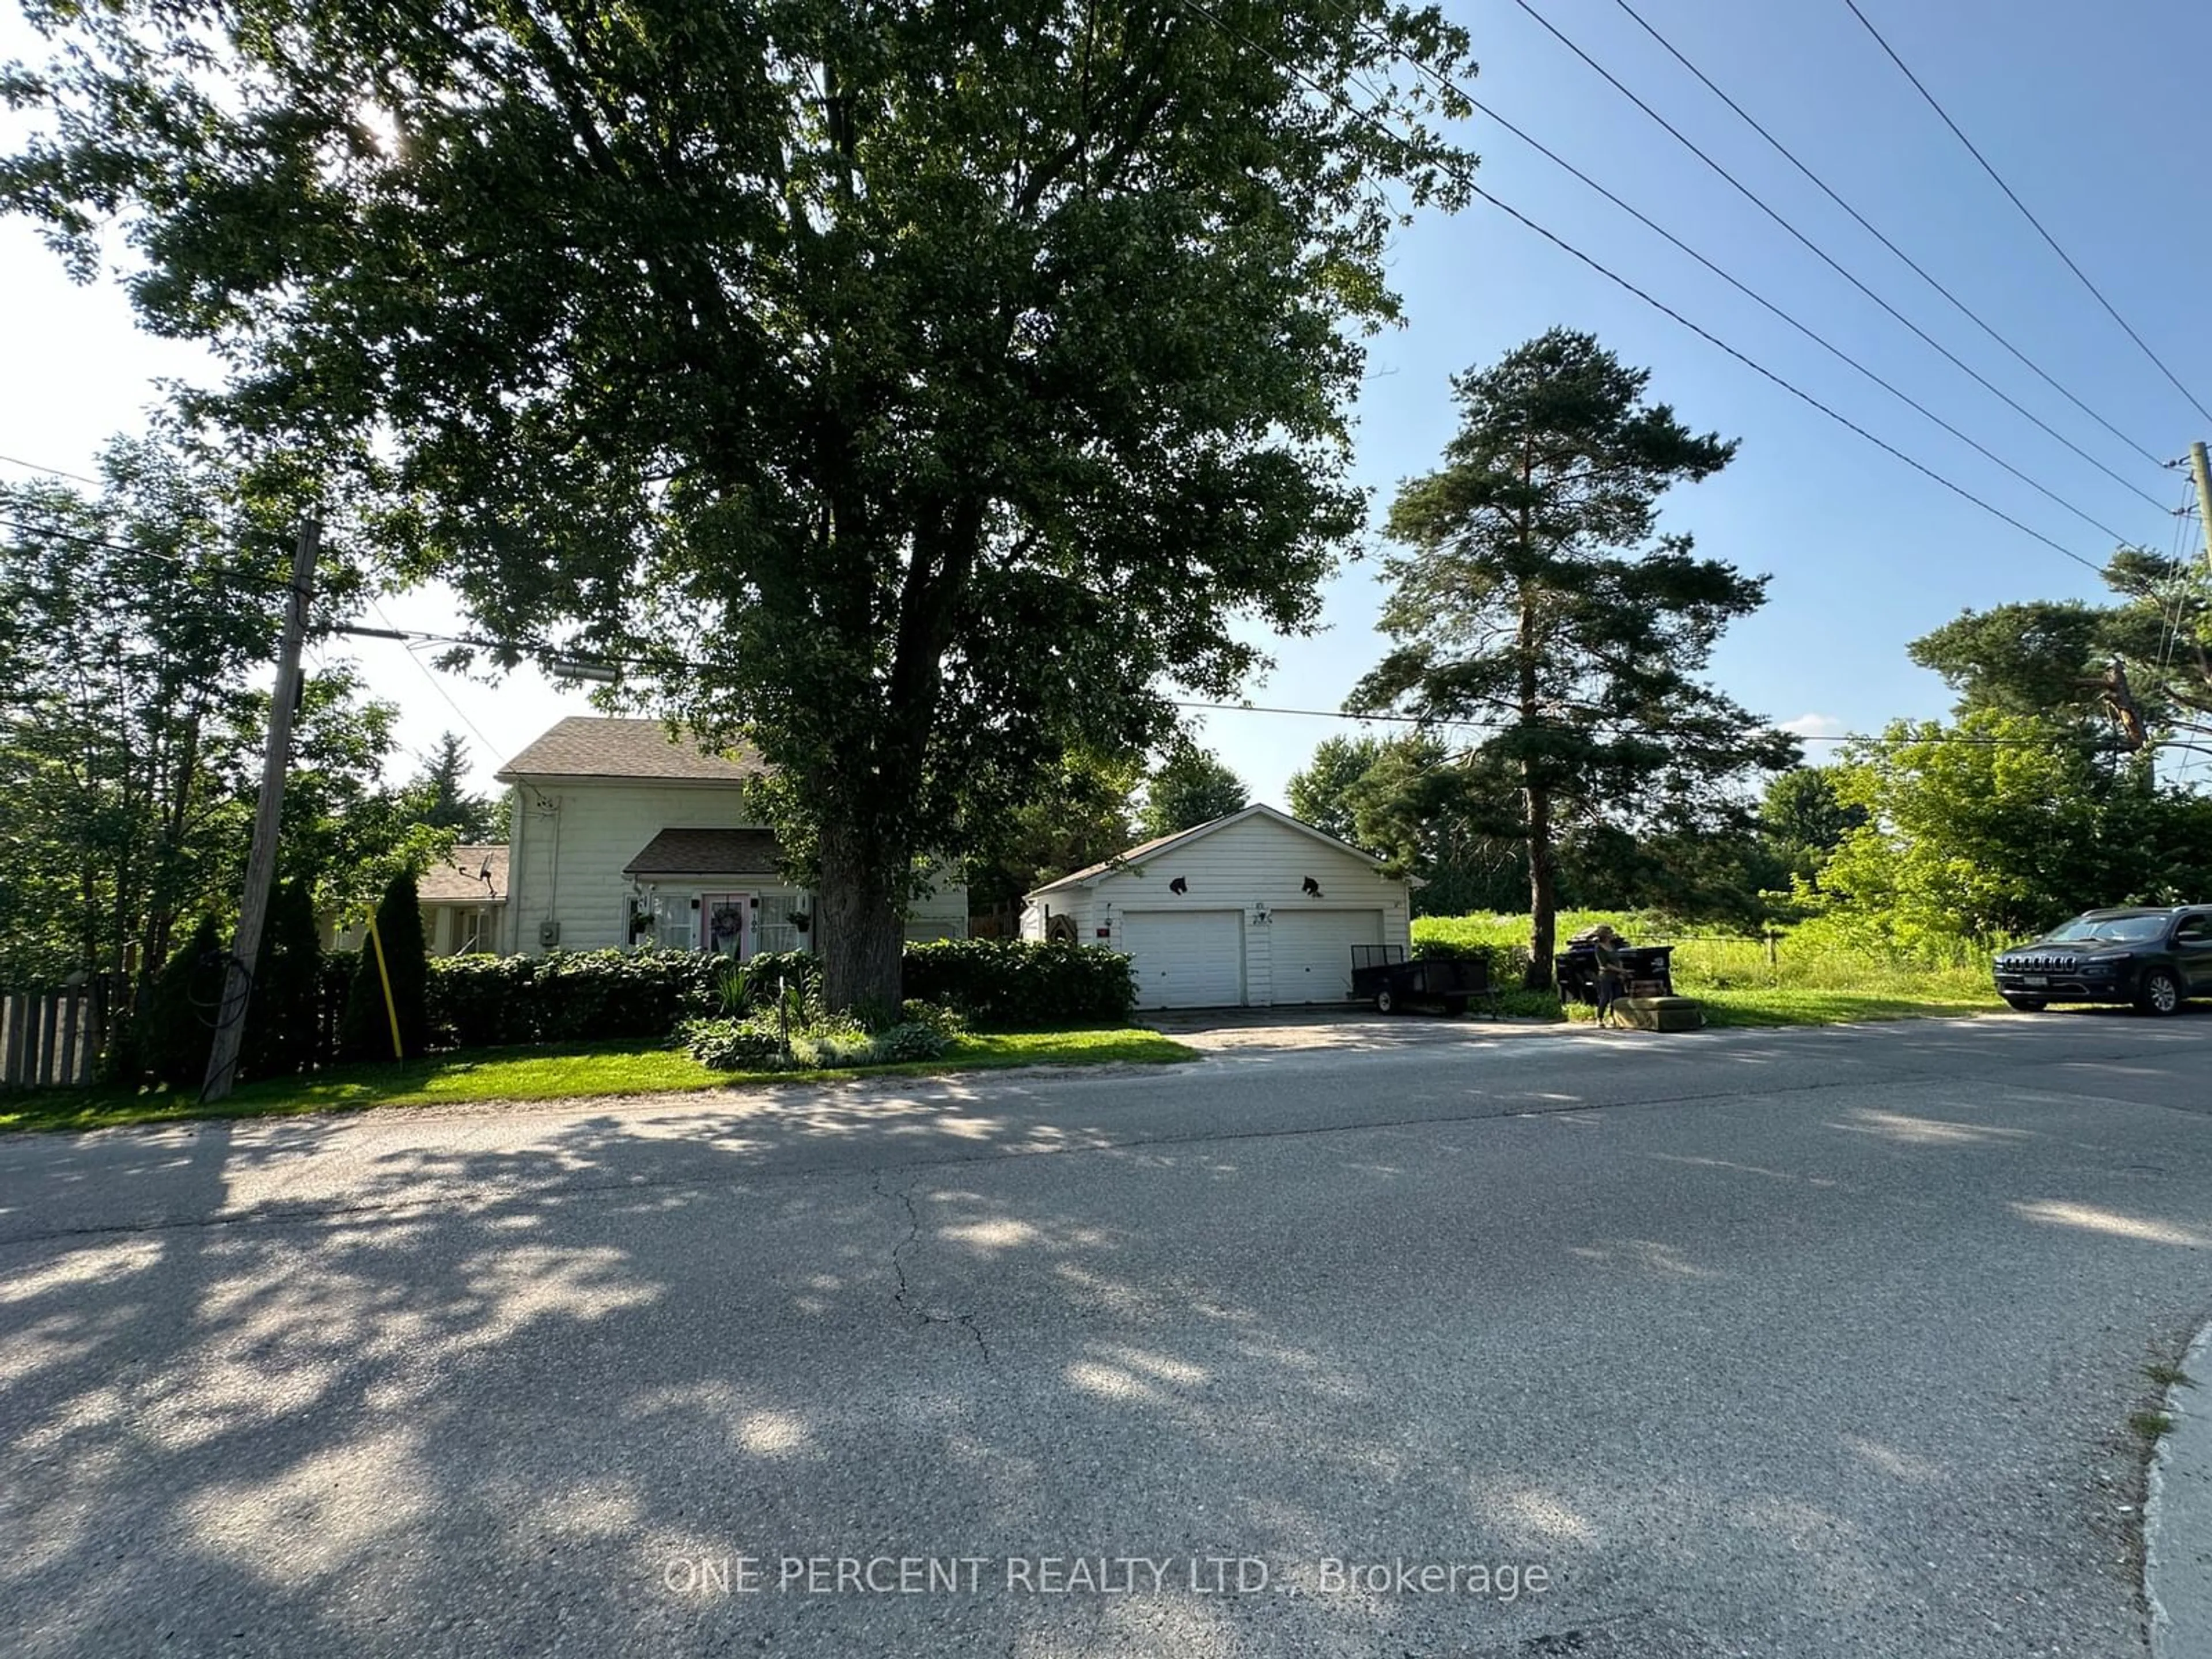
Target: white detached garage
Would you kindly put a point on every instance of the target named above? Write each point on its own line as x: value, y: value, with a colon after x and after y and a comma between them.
x: 1255, y: 910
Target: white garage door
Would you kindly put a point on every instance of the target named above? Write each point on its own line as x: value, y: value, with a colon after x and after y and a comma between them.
x: 1186, y: 958
x: 1312, y: 951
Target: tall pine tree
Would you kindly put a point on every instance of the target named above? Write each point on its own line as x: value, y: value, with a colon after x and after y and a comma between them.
x: 1534, y: 595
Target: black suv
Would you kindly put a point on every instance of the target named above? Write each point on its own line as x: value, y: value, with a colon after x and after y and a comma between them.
x: 2155, y: 958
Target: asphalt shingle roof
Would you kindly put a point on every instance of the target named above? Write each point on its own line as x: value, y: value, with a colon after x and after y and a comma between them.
x: 593, y: 746
x: 459, y: 881
x: 706, y: 852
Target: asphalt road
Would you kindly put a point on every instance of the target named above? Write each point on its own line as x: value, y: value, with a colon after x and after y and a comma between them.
x: 1792, y: 1344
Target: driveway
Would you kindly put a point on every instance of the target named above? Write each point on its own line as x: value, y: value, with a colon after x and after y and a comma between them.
x: 1802, y: 1342
x: 1218, y: 1031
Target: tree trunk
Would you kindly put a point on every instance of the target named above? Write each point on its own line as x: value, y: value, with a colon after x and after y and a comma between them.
x: 1543, y: 896
x: 861, y: 937
x: 1536, y: 794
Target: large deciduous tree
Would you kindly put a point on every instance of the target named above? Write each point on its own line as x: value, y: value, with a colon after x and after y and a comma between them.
x: 1534, y: 597
x: 133, y: 623
x: 1999, y: 825
x: 920, y: 388
x: 1191, y: 786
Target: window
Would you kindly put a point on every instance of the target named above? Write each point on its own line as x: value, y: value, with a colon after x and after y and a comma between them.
x: 472, y: 931
x: 772, y: 928
x: 676, y: 924
x: 2194, y: 930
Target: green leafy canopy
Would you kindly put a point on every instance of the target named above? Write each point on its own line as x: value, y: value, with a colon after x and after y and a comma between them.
x: 917, y: 389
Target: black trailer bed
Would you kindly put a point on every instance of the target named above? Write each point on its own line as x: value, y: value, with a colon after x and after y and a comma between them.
x: 1383, y: 974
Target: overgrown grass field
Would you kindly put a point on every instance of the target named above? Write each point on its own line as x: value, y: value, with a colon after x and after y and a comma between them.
x: 1800, y: 979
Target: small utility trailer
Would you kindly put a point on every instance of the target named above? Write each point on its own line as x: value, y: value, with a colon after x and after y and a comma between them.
x: 1381, y: 975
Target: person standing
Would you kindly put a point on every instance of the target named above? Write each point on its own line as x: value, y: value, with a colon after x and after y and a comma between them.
x: 1612, y: 971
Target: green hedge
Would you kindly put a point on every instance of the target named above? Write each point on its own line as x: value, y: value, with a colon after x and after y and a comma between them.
x: 1016, y: 984
x: 579, y: 996
x: 586, y: 996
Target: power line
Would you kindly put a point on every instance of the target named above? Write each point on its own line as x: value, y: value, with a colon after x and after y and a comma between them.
x: 1760, y: 299
x: 33, y: 466
x: 1368, y: 116
x: 2012, y: 196
x: 1911, y: 263
x: 492, y: 749
x: 1959, y: 490
x: 1834, y: 265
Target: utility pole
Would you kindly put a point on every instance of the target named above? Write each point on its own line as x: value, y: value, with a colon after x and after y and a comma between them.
x: 261, y: 863
x: 2203, y: 469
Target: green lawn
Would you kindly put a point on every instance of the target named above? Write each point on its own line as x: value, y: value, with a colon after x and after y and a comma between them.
x: 1785, y: 1005
x: 569, y: 1073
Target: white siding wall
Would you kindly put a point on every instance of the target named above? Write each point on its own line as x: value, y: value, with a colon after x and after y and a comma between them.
x: 593, y: 829
x: 943, y: 912
x: 1073, y: 902
x: 1257, y: 862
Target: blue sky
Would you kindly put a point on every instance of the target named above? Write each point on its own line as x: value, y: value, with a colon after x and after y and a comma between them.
x: 2091, y: 123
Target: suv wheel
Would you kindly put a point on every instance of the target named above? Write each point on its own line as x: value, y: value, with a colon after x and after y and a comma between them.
x: 2159, y: 992
x: 2026, y: 1005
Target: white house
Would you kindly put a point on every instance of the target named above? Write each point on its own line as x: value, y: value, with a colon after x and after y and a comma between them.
x: 619, y: 835
x: 1255, y: 909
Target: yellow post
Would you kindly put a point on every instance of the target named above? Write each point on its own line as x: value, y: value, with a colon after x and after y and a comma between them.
x: 384, y: 974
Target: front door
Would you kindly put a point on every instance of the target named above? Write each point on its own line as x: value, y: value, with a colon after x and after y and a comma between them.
x: 725, y: 924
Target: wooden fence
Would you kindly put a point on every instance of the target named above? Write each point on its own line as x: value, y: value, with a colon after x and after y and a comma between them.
x: 51, y: 1039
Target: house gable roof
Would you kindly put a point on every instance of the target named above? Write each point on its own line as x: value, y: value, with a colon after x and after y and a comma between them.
x: 706, y: 854
x: 474, y: 875
x: 595, y: 746
x: 1092, y: 874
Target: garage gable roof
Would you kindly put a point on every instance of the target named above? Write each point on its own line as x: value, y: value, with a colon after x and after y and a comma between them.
x: 1092, y: 874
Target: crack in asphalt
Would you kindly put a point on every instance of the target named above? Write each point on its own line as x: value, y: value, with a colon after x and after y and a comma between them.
x: 965, y: 1321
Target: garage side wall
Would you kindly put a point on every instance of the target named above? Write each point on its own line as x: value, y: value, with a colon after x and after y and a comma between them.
x: 1073, y: 902
x: 1258, y: 869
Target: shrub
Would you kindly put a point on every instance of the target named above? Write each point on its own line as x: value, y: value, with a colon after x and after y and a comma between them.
x: 592, y: 995
x: 585, y: 996
x: 945, y: 1022
x: 911, y: 1040
x: 484, y: 1002
x: 834, y: 1042
x: 756, y: 1044
x: 365, y: 1031
x: 1010, y: 984
x: 1509, y: 963
x: 734, y: 1045
x: 281, y: 1017
x: 180, y: 1016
